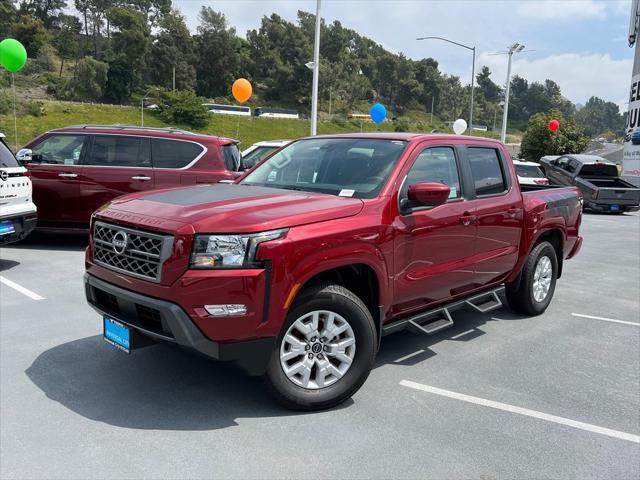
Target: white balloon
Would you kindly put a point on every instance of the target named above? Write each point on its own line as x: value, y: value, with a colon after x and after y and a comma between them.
x: 459, y: 126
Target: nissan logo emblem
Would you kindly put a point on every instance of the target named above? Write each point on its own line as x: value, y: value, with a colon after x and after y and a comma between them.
x: 119, y: 242
x: 4, y: 175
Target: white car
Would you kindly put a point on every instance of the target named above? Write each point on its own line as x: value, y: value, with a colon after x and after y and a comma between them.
x: 17, y: 210
x: 530, y: 173
x: 260, y: 150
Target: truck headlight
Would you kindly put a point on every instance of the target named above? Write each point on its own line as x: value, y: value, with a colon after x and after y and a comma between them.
x: 229, y: 251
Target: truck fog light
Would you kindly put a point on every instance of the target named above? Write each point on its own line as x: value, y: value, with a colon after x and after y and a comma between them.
x: 225, y: 310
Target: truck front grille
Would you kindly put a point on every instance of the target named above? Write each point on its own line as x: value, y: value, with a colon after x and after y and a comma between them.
x: 134, y: 252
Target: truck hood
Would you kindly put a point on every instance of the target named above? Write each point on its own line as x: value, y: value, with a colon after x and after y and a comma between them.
x: 232, y: 208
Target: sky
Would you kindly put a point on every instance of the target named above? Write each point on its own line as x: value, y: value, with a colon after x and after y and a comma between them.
x: 580, y: 44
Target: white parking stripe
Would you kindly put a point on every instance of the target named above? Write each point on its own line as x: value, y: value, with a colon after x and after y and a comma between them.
x: 635, y: 324
x: 406, y: 357
x: 523, y: 411
x: 20, y: 288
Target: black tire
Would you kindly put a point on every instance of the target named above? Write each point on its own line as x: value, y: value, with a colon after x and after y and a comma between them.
x: 520, y: 297
x: 338, y: 299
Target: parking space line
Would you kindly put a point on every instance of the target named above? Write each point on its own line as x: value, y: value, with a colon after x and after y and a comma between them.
x: 406, y: 357
x: 20, y: 288
x: 613, y: 320
x: 629, y: 437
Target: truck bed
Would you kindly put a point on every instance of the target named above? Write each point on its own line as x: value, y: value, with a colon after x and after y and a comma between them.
x: 608, y: 182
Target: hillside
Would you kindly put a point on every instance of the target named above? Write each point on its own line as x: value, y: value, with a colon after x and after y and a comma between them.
x: 247, y: 129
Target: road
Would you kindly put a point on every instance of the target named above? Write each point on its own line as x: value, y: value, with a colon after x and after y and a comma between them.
x: 496, y: 396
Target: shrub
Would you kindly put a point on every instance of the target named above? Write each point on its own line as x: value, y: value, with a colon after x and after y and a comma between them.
x: 183, y: 107
x: 36, y: 109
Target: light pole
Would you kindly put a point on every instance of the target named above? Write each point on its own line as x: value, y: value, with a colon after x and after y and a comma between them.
x: 473, y: 71
x: 316, y: 71
x: 515, y: 48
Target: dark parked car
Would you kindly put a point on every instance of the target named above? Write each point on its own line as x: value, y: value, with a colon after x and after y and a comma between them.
x: 597, y: 178
x: 75, y: 170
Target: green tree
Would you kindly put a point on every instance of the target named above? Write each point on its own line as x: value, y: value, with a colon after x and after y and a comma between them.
x: 47, y: 11
x: 31, y: 33
x: 89, y: 82
x: 489, y: 89
x: 218, y: 54
x: 65, y: 39
x: 599, y: 116
x: 173, y: 48
x: 129, y: 48
x: 538, y: 140
x: 8, y: 15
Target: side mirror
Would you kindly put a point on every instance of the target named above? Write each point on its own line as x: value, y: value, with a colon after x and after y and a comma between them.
x: 24, y: 155
x: 428, y: 194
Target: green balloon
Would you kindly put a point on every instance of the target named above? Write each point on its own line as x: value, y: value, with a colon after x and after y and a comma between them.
x: 13, y: 55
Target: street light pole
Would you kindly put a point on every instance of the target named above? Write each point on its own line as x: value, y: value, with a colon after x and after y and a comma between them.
x: 473, y: 70
x: 316, y: 71
x: 515, y: 48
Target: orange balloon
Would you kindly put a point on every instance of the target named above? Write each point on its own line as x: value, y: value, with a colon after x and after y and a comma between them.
x: 241, y: 90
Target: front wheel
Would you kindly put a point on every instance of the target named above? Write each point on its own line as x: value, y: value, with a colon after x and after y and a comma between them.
x: 537, y: 283
x: 325, y: 351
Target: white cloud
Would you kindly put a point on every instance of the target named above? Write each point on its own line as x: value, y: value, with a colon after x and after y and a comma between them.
x: 579, y: 75
x: 558, y: 9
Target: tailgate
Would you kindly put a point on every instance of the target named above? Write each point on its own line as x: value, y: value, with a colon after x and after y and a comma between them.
x: 621, y: 196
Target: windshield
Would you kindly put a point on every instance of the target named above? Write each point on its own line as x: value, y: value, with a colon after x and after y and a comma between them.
x: 529, y: 171
x: 348, y: 167
x: 251, y: 158
x: 6, y: 157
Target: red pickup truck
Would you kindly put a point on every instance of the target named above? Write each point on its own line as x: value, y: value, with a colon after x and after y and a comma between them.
x: 298, y: 269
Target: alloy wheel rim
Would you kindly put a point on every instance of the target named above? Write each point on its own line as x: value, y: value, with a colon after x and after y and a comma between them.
x: 542, y: 279
x: 317, y: 350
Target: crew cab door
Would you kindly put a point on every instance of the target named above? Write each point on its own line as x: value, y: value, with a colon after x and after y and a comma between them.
x: 498, y: 213
x: 56, y: 175
x: 434, y: 246
x: 114, y: 165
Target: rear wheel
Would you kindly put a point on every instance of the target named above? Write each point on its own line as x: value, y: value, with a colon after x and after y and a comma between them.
x: 537, y: 283
x: 325, y: 351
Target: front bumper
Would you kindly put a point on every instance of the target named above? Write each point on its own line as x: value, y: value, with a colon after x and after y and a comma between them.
x: 23, y: 224
x: 165, y: 321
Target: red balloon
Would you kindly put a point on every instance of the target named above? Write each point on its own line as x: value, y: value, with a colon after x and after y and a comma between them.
x: 554, y: 125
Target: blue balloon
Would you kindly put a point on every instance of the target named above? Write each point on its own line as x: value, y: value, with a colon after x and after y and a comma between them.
x: 378, y: 113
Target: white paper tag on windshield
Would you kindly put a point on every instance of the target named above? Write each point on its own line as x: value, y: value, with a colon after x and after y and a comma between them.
x: 346, y: 193
x: 453, y: 193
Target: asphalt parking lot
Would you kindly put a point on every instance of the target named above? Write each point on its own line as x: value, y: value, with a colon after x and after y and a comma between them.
x: 496, y: 396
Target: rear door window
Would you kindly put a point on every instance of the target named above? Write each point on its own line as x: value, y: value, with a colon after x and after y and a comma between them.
x: 116, y: 151
x: 231, y: 156
x: 174, y: 153
x: 59, y: 149
x: 7, y: 159
x: 486, y: 170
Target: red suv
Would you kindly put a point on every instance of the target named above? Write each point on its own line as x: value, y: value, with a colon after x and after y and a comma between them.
x: 75, y: 170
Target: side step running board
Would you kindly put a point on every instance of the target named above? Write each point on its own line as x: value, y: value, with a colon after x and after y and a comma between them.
x: 438, y: 319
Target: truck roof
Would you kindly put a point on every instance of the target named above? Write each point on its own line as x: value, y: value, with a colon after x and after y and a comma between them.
x: 406, y: 136
x: 585, y: 158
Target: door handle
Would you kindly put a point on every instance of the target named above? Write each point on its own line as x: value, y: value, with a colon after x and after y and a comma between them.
x: 513, y: 212
x: 467, y: 219
x: 68, y: 175
x: 142, y: 178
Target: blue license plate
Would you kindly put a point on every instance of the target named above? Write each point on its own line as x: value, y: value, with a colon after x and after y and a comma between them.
x: 7, y: 227
x: 117, y: 334
x: 615, y: 208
